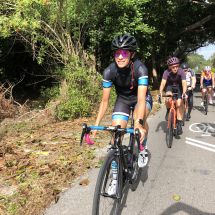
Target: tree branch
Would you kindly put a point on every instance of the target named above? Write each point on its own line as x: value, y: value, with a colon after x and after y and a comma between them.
x: 191, y: 27
x: 202, y: 3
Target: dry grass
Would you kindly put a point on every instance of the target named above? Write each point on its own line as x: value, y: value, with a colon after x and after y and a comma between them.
x: 41, y: 158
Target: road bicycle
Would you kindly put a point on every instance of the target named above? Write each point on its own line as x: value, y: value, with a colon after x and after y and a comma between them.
x: 126, y: 158
x: 206, y: 101
x: 172, y: 122
x: 184, y: 111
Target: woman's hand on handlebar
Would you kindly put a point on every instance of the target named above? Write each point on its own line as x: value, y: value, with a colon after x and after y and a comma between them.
x: 184, y: 96
x: 159, y: 96
x: 189, y: 88
x: 141, y: 130
x: 93, y: 133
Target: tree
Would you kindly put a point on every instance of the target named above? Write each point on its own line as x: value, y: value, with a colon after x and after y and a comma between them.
x: 196, y: 61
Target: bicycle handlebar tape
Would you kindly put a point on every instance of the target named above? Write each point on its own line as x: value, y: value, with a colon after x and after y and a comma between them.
x: 87, y: 138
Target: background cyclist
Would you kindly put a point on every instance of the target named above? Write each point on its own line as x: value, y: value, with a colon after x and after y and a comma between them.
x: 207, y: 79
x: 175, y: 79
x: 191, y: 83
x: 130, y: 77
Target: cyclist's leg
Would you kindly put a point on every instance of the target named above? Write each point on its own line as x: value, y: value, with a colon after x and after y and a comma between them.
x: 120, y: 116
x: 210, y: 93
x: 168, y: 100
x: 190, y: 102
x: 143, y: 155
x: 204, y: 91
x: 179, y: 106
x: 121, y: 113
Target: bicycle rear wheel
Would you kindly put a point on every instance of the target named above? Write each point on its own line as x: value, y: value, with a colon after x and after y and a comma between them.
x: 206, y: 104
x: 169, y: 134
x: 134, y: 169
x: 103, y: 205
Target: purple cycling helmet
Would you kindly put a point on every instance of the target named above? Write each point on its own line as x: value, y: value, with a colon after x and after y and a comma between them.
x: 172, y: 61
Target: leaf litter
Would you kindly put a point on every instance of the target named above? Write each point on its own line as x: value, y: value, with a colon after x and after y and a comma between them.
x: 39, y: 163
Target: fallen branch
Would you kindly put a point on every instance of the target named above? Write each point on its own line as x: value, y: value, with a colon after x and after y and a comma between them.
x: 43, y: 111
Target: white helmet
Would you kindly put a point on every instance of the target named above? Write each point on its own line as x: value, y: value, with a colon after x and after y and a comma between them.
x: 207, y: 69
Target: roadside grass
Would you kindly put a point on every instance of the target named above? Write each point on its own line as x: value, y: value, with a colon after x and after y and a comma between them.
x: 42, y: 158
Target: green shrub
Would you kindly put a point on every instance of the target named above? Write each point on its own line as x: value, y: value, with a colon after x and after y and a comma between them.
x: 80, y: 92
x: 48, y: 94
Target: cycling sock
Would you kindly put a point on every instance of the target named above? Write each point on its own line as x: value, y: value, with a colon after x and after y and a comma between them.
x: 210, y: 98
x: 203, y: 99
x: 114, y: 169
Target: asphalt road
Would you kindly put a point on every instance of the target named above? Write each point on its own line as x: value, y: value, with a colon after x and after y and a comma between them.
x: 187, y: 170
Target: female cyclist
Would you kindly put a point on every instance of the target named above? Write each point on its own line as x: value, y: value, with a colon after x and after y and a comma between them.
x: 175, y: 79
x: 130, y: 78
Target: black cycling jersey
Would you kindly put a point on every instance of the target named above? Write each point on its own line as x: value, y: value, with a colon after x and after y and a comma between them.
x: 121, y: 78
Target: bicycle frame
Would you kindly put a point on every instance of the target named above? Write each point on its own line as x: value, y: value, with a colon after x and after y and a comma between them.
x: 185, y: 105
x: 117, y: 146
x: 173, y: 108
x: 207, y: 95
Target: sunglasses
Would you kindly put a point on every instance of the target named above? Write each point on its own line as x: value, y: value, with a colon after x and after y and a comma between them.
x: 173, y: 67
x: 124, y: 53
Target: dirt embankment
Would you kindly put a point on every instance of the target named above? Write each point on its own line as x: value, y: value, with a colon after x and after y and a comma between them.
x: 40, y: 159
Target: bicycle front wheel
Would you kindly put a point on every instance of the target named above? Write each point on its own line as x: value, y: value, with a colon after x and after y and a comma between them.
x: 134, y: 169
x: 206, y: 104
x: 102, y: 204
x: 169, y: 134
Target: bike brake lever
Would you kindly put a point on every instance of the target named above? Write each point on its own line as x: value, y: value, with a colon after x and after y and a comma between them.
x: 83, y: 133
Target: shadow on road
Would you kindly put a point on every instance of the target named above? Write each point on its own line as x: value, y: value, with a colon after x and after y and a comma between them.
x: 181, y: 207
x: 163, y: 126
x: 200, y: 109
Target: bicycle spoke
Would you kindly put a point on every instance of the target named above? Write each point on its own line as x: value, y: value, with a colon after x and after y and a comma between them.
x: 102, y: 204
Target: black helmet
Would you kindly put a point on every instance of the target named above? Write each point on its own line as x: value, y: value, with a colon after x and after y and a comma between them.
x: 185, y: 66
x: 125, y: 42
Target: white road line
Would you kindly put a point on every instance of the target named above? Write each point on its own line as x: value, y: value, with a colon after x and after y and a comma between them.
x: 197, y: 141
x: 203, y: 147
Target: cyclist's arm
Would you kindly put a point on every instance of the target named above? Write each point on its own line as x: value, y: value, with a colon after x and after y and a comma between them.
x: 141, y: 101
x: 163, y: 83
x: 193, y: 76
x: 141, y: 110
x: 201, y: 81
x: 193, y: 82
x: 103, y: 105
x: 107, y: 82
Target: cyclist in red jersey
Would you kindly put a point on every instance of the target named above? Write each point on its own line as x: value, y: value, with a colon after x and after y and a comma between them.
x: 175, y: 79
